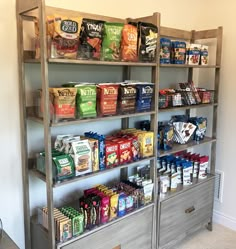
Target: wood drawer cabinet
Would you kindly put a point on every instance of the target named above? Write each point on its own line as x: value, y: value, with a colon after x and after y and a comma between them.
x: 185, y: 212
x: 132, y: 232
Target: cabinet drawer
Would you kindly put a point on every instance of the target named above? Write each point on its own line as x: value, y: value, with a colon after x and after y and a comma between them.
x: 129, y: 233
x: 185, y: 210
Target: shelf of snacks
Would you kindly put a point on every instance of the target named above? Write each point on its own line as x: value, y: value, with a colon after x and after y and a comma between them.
x: 86, y: 120
x: 188, y: 66
x: 186, y: 107
x: 100, y: 227
x: 181, y: 188
x: 191, y: 144
x: 42, y: 176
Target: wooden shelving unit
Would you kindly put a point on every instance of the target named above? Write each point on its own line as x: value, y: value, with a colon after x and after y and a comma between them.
x: 127, y: 227
x: 189, y: 208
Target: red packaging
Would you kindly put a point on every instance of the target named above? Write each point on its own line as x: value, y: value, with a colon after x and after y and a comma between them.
x: 89, y: 191
x: 125, y: 154
x: 135, y: 147
x: 105, y: 206
x: 111, y: 154
x: 107, y: 99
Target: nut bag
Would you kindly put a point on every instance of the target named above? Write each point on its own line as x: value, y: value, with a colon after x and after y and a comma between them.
x: 65, y: 37
x: 111, y: 41
x: 129, y: 43
x: 148, y: 34
x: 91, y: 39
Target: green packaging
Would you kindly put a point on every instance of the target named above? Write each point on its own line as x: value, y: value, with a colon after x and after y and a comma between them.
x: 111, y: 41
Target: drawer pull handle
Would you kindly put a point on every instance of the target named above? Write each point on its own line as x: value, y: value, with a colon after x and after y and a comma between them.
x: 190, y: 210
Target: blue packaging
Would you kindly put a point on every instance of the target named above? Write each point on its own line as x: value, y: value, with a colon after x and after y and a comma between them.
x: 165, y: 50
x: 144, y: 96
x: 178, y: 52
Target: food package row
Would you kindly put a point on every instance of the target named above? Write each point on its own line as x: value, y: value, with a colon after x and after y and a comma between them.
x: 180, y: 52
x: 78, y: 155
x: 97, y: 206
x: 87, y: 100
x: 81, y: 38
x: 181, y: 169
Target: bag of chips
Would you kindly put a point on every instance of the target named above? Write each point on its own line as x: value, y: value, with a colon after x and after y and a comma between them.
x: 111, y: 41
x: 65, y: 37
x: 148, y: 34
x: 91, y: 39
x: 129, y: 43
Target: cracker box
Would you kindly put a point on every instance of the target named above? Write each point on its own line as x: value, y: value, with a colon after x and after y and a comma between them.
x: 146, y: 143
x: 111, y: 154
x: 124, y: 147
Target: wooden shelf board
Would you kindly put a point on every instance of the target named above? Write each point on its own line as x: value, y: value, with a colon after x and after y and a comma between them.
x: 97, y: 63
x: 87, y: 233
x: 188, y: 66
x: 92, y: 174
x: 186, y: 107
x: 80, y: 121
x: 181, y: 188
x: 181, y: 147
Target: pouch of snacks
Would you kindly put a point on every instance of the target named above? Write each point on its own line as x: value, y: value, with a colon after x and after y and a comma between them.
x: 148, y: 34
x: 111, y: 41
x: 121, y: 205
x: 91, y: 39
x: 204, y: 55
x: 127, y: 98
x: 144, y: 96
x: 105, y: 204
x: 65, y: 37
x: 129, y: 43
x: 107, y: 99
x: 63, y: 100
x: 86, y: 101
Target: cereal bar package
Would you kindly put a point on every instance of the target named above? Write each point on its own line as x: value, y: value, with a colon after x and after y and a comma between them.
x: 165, y: 50
x: 194, y: 54
x: 148, y: 34
x: 111, y: 41
x: 65, y: 37
x: 129, y: 43
x: 91, y: 39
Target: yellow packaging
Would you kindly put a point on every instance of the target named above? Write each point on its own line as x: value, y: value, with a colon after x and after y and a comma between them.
x: 113, y: 206
x: 146, y: 143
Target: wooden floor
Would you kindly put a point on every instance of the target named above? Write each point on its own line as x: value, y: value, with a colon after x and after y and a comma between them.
x: 220, y: 238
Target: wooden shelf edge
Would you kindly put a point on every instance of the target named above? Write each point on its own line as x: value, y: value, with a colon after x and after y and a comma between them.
x: 85, y: 234
x: 80, y: 121
x: 182, y: 188
x: 41, y: 176
x: 181, y: 147
x: 186, y: 107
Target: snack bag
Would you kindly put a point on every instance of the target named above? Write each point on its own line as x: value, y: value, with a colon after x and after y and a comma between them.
x: 178, y: 52
x: 63, y: 100
x: 194, y: 54
x: 129, y: 43
x: 204, y: 55
x: 148, y: 34
x: 86, y: 101
x: 127, y: 98
x: 165, y: 50
x: 91, y: 39
x: 65, y: 37
x: 111, y: 41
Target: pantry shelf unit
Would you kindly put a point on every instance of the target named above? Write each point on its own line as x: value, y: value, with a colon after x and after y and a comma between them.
x: 189, y: 107
x: 92, y: 174
x: 180, y: 147
x: 180, y: 189
x: 189, y: 208
x: 127, y: 228
x: 81, y: 121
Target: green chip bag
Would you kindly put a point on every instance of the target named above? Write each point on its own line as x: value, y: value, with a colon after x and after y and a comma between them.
x: 111, y: 41
x: 86, y: 101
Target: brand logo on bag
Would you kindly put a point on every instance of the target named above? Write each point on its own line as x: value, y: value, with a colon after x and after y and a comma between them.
x: 69, y: 26
x: 95, y: 27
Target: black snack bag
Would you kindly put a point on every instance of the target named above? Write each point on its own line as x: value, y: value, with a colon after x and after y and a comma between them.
x: 148, y: 34
x: 91, y: 39
x: 95, y: 210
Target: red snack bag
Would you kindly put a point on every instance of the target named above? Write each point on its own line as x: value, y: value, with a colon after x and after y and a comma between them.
x: 107, y: 99
x: 111, y: 154
x: 105, y: 206
x: 129, y: 43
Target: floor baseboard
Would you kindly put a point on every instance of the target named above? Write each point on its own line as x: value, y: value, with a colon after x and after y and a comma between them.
x: 224, y: 220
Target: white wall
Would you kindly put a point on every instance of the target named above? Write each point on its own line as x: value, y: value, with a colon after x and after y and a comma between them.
x: 179, y: 14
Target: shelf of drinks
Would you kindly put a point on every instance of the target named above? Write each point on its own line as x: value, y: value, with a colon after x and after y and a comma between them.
x: 87, y: 120
x: 180, y: 188
x: 180, y: 147
x: 187, y: 107
x: 97, y: 228
x: 42, y: 176
x: 188, y: 66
